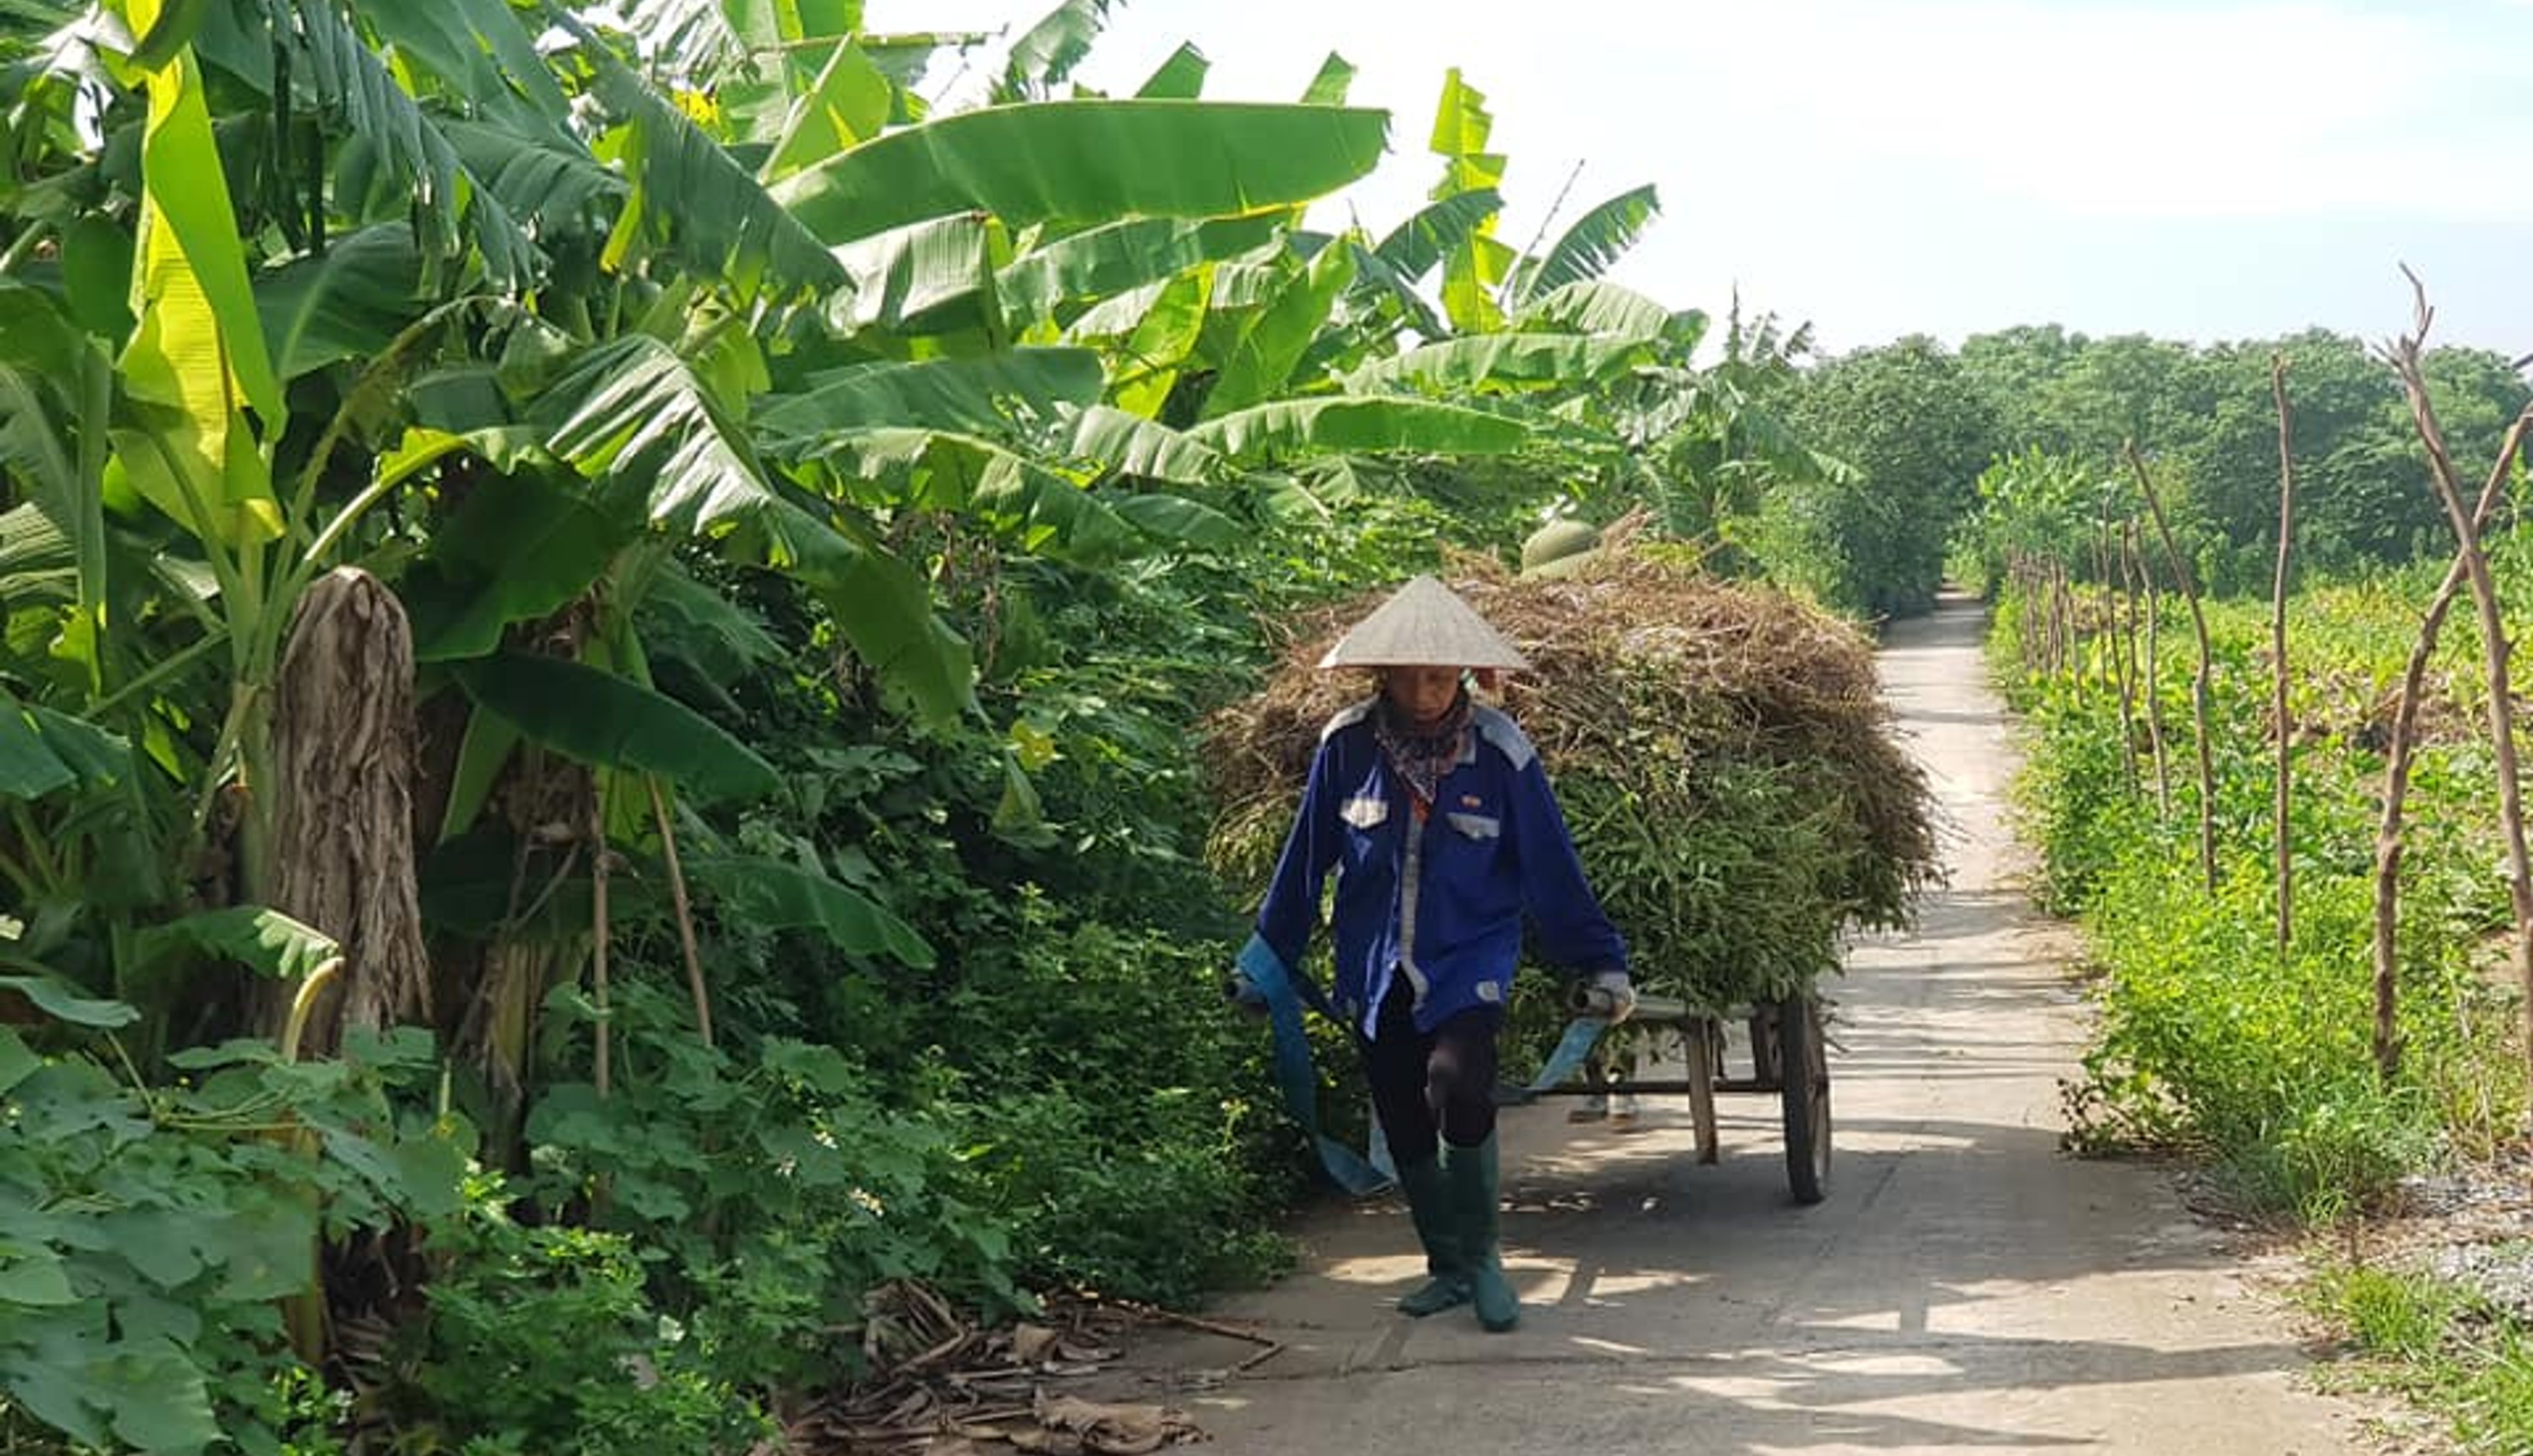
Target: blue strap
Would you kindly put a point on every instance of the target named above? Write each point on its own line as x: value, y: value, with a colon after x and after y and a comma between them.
x: 1294, y: 1073
x: 1581, y: 1036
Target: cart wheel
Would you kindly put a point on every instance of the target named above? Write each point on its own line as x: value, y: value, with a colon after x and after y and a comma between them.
x: 1804, y: 1055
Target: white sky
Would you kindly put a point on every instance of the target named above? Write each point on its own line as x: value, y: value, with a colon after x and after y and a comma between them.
x: 2193, y: 170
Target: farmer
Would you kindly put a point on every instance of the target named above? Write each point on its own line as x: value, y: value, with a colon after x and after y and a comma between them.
x: 1437, y: 816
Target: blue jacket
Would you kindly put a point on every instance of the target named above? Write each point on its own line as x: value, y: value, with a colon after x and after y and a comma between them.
x: 1494, y: 845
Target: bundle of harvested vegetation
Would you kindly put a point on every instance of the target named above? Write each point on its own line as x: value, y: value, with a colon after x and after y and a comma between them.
x: 1722, y: 750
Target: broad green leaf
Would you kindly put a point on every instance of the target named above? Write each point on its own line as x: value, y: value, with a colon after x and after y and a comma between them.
x: 547, y: 182
x: 1036, y: 508
x: 482, y: 53
x: 1181, y: 77
x: 1603, y: 308
x: 198, y: 354
x: 1131, y: 444
x: 1046, y: 52
x: 1160, y: 341
x: 43, y: 750
x: 1264, y: 362
x: 41, y: 357
x: 517, y: 548
x: 1341, y: 424
x: 1175, y: 518
x: 36, y: 1278
x: 346, y: 303
x: 1060, y: 161
x: 693, y: 199
x: 930, y: 278
x: 1502, y: 361
x: 481, y: 755
x: 1596, y: 239
x: 1330, y: 86
x: 37, y: 564
x: 1102, y: 263
x: 634, y: 407
x: 392, y: 140
x: 1415, y: 246
x: 1463, y: 127
x: 1471, y: 275
x: 846, y: 105
x: 18, y: 1061
x: 61, y: 1003
x: 29, y: 769
x: 1020, y: 388
x: 777, y: 895
x: 882, y: 607
x: 680, y: 616
x: 597, y: 717
x: 264, y: 940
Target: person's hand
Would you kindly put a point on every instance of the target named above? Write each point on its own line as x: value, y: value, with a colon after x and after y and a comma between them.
x: 1242, y: 992
x: 1619, y: 991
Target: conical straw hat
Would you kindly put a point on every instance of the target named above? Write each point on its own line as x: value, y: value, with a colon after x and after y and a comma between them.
x: 1424, y: 625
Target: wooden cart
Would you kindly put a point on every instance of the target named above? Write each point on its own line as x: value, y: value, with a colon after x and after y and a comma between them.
x: 1787, y: 1057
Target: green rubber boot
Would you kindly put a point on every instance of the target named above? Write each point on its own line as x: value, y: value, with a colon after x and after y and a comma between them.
x: 1429, y: 1202
x: 1471, y: 1174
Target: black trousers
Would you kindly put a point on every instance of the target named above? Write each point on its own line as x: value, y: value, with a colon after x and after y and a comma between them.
x: 1430, y: 1084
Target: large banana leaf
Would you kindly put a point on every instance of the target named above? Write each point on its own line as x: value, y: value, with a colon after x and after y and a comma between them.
x: 1046, y: 52
x: 1131, y: 444
x: 197, y: 361
x: 991, y: 394
x: 1342, y: 423
x: 480, y: 51
x: 694, y: 200
x: 517, y: 548
x: 634, y: 406
x: 1102, y: 263
x: 847, y: 105
x: 546, y: 182
x: 1504, y: 361
x: 1088, y: 161
x: 1181, y: 77
x: 264, y: 940
x: 1605, y: 307
x: 42, y: 751
x: 1596, y: 239
x: 930, y: 278
x: 1276, y: 342
x: 1475, y: 266
x: 1036, y: 508
x: 1328, y: 88
x: 597, y: 717
x: 1415, y: 246
x: 346, y: 303
x: 387, y: 131
x: 777, y: 895
x: 1161, y: 341
x: 41, y: 358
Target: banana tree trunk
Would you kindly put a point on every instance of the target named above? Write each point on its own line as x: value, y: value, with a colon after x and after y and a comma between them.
x: 341, y: 800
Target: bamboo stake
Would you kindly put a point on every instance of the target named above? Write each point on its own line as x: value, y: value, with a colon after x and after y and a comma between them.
x: 599, y: 932
x: 685, y: 914
x: 2199, y: 681
x: 2396, y: 770
x: 2405, y: 355
x: 2278, y: 654
x: 2115, y: 585
x: 2153, y: 675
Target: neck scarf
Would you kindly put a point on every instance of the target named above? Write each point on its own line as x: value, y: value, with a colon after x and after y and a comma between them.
x: 1421, y: 757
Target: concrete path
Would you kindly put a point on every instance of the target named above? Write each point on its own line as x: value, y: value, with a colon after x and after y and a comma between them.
x: 1965, y: 1287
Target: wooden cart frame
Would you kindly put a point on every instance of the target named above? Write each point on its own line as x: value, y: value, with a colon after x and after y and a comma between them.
x: 1788, y: 1057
